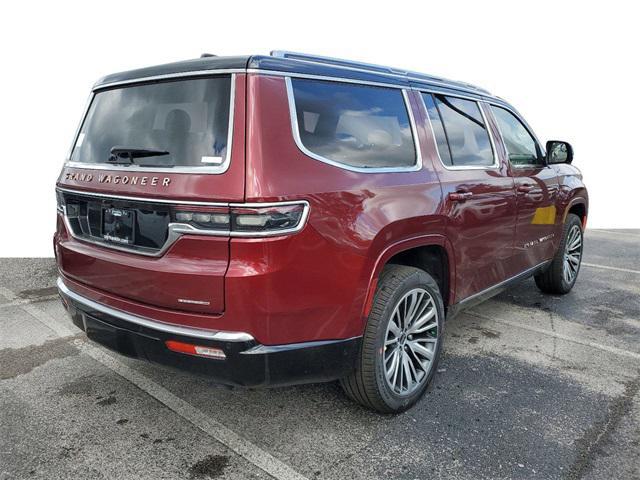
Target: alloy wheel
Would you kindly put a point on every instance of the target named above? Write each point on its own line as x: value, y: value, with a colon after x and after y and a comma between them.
x: 572, y: 254
x: 411, y: 342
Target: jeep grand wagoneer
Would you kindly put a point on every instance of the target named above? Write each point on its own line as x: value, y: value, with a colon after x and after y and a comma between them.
x: 270, y: 220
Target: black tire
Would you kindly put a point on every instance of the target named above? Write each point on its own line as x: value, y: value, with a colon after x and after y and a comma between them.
x: 553, y: 280
x: 368, y: 385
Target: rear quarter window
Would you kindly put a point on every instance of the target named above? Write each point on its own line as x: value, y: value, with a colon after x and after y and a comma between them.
x: 353, y: 125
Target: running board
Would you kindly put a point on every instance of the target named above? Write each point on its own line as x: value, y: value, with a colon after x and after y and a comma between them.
x: 492, y: 291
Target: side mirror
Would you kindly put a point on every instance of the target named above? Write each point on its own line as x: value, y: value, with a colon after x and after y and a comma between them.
x: 559, y: 152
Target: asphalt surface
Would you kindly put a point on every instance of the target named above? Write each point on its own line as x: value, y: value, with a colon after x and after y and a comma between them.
x: 530, y: 386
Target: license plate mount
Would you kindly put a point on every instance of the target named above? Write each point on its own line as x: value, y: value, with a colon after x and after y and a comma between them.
x: 118, y: 225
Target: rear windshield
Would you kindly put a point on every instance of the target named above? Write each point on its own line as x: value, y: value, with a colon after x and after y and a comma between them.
x: 177, y: 123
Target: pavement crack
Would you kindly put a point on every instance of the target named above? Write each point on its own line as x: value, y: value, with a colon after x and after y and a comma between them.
x: 596, y: 437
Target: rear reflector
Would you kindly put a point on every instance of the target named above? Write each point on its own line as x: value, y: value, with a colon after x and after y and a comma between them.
x: 199, y: 350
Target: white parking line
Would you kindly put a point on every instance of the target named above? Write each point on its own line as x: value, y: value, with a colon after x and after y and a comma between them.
x: 569, y: 338
x: 255, y: 455
x: 611, y: 232
x: 8, y: 294
x: 252, y: 453
x: 606, y: 267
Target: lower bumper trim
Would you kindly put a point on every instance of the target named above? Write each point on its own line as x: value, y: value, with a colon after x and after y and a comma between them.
x: 155, y: 325
x: 246, y: 362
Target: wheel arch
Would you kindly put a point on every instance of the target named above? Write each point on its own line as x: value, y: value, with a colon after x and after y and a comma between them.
x: 432, y: 253
x: 578, y: 205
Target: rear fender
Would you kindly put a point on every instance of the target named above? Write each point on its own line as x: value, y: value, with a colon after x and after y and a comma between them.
x: 400, y: 246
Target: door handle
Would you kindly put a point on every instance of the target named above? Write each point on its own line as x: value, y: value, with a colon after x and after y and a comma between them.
x: 525, y: 187
x: 460, y: 196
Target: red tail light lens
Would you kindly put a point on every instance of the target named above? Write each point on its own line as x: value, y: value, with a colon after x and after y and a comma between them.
x: 250, y: 220
x: 270, y: 219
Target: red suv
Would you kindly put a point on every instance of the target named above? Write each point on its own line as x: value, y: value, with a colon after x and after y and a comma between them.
x: 270, y: 220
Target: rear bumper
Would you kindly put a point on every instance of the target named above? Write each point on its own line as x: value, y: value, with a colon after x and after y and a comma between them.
x: 247, y: 362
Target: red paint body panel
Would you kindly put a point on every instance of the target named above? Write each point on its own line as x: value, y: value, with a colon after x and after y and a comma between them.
x: 193, y: 268
x: 354, y: 218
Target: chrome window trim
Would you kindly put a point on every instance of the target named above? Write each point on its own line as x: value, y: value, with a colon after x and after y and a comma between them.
x: 295, y: 128
x: 527, y: 127
x: 310, y: 76
x: 477, y: 98
x: 176, y: 230
x: 496, y: 159
x: 402, y: 74
x: 219, y: 335
x: 209, y: 170
x: 75, y: 136
x: 166, y: 76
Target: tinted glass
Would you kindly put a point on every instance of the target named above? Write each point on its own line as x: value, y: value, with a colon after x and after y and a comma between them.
x: 355, y: 125
x: 521, y: 146
x: 438, y: 130
x: 465, y: 130
x: 187, y: 118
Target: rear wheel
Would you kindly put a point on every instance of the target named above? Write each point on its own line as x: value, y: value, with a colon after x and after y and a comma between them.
x: 401, y: 344
x: 561, y: 275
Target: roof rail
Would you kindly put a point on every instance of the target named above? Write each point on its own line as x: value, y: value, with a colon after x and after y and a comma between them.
x: 370, y: 67
x: 337, y: 61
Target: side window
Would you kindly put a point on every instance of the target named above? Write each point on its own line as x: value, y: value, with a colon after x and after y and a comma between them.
x: 438, y: 129
x: 521, y: 146
x: 356, y: 125
x: 460, y: 130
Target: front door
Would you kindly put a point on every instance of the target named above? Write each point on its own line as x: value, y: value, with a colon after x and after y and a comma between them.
x: 479, y: 196
x: 537, y: 232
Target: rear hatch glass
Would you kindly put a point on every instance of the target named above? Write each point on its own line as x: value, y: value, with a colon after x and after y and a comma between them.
x: 119, y: 208
x: 171, y: 124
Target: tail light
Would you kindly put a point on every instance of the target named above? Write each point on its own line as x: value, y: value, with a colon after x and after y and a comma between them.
x: 243, y: 220
x: 59, y: 201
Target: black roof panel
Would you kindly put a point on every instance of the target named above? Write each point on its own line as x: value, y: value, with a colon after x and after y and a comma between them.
x: 301, y: 64
x: 197, y: 64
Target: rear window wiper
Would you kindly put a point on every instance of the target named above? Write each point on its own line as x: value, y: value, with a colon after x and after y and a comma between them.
x: 125, y: 155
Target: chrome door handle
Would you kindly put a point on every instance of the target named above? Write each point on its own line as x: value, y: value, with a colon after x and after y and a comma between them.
x: 525, y: 187
x: 460, y: 196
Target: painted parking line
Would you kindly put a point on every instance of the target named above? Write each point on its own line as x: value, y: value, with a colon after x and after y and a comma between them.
x: 606, y: 267
x: 612, y: 232
x: 569, y: 338
x: 255, y: 455
x: 252, y: 453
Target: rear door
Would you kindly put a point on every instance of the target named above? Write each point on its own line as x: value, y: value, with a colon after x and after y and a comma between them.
x: 536, y: 188
x: 151, y: 162
x: 479, y: 196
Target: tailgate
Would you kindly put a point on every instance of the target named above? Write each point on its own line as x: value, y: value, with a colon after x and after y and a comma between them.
x: 118, y: 211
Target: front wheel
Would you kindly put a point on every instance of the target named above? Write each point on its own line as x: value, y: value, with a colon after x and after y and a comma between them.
x: 561, y: 275
x: 401, y: 344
